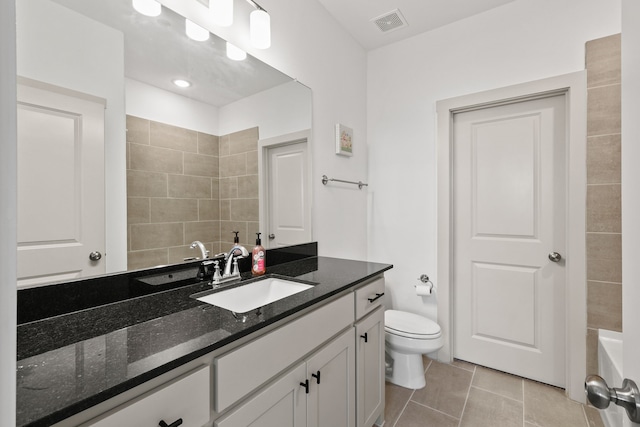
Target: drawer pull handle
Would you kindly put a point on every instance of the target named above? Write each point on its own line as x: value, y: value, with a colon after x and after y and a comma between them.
x: 305, y: 384
x: 317, y: 377
x: 365, y: 336
x: 376, y: 297
x: 176, y: 423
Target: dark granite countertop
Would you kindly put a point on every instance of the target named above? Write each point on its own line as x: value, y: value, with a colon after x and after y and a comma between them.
x: 72, y: 361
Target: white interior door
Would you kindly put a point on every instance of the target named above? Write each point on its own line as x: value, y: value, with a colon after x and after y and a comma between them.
x: 288, y: 198
x: 630, y: 193
x: 60, y: 184
x: 509, y: 215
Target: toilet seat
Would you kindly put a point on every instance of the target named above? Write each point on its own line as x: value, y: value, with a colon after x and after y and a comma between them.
x: 410, y: 325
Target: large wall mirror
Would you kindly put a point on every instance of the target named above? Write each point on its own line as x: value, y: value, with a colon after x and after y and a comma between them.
x: 170, y: 165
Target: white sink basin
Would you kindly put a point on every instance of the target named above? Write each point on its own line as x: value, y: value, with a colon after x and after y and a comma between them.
x: 253, y: 295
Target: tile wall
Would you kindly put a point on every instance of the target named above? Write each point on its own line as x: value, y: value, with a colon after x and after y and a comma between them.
x: 182, y: 185
x: 604, y: 251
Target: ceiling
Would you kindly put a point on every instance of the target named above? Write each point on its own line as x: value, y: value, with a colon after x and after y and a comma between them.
x: 157, y: 51
x: 420, y: 15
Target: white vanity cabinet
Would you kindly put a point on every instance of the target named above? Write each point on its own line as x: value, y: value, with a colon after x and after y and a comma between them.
x: 317, y: 392
x: 184, y: 401
x: 370, y: 368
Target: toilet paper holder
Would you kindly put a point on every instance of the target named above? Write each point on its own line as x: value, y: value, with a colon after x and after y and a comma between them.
x: 425, y: 282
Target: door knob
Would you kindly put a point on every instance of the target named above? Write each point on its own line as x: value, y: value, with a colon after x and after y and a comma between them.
x: 272, y: 236
x: 555, y: 256
x: 599, y: 394
x: 95, y: 256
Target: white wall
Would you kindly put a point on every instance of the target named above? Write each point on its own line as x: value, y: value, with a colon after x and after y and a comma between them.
x: 522, y: 41
x: 281, y: 110
x: 151, y: 103
x: 68, y: 50
x: 8, y: 212
x: 310, y: 46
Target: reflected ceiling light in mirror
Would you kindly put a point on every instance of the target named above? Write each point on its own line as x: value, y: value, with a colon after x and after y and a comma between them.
x: 147, y: 7
x: 260, y: 28
x: 195, y: 31
x: 235, y: 53
x: 181, y: 83
x: 221, y: 12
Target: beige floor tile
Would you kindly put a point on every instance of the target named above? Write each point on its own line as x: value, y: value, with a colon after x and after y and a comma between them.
x: 593, y: 417
x: 396, y: 398
x: 464, y: 365
x: 417, y: 415
x: 484, y: 408
x: 498, y: 382
x: 446, y: 388
x: 549, y: 407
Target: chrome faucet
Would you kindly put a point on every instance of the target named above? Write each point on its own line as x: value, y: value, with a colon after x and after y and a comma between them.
x: 203, y: 251
x: 230, y: 259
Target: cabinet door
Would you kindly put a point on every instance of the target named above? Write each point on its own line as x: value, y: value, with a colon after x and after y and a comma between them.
x: 282, y: 404
x: 331, y: 374
x: 370, y: 363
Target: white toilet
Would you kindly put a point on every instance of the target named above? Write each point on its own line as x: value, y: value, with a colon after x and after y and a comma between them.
x: 407, y: 337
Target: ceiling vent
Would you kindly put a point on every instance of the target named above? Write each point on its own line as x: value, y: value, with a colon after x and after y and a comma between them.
x: 390, y: 21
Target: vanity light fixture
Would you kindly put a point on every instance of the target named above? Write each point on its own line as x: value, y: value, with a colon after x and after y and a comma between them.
x: 221, y: 12
x: 181, y: 83
x: 195, y: 31
x: 235, y: 53
x: 260, y: 28
x: 147, y: 7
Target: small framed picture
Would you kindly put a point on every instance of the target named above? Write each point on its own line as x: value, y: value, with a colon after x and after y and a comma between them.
x: 344, y: 140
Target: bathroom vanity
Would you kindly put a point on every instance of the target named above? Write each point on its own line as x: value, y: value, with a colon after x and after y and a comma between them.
x: 315, y: 358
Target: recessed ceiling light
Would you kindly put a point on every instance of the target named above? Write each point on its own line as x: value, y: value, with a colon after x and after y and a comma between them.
x: 181, y: 83
x: 147, y: 7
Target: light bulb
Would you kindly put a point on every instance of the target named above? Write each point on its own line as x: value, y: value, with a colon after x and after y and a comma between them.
x: 235, y: 53
x: 221, y: 12
x: 260, y: 29
x: 195, y: 31
x: 147, y: 7
x: 181, y: 83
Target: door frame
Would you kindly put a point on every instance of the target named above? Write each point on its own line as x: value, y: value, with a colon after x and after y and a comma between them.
x: 574, y: 86
x: 264, y: 145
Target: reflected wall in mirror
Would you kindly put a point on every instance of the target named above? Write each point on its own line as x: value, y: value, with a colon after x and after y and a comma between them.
x: 104, y: 50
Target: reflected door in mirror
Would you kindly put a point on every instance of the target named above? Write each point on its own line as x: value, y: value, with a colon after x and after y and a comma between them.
x: 60, y: 184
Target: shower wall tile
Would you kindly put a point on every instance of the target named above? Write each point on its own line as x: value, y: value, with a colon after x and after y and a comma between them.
x: 603, y: 159
x: 154, y: 159
x: 189, y: 186
x: 604, y: 110
x: 603, y: 61
x: 592, y: 351
x: 145, y: 259
x: 176, y: 138
x: 604, y: 246
x: 604, y: 208
x: 248, y: 187
x: 604, y: 270
x: 200, y: 165
x: 208, y: 210
x: 138, y: 130
x: 205, y: 231
x: 233, y: 165
x: 138, y: 210
x: 174, y: 210
x: 243, y: 141
x: 156, y: 236
x: 244, y: 210
x: 604, y: 301
x: 208, y: 144
x: 146, y: 184
x: 182, y: 184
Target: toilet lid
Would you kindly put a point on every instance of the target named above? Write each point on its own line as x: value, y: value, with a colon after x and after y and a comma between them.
x: 410, y: 325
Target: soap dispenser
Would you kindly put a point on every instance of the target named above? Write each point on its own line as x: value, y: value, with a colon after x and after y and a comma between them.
x: 258, y: 258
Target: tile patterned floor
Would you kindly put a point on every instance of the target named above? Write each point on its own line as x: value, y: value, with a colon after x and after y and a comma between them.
x: 465, y: 395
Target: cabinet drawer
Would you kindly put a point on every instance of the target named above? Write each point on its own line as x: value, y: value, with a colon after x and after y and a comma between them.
x: 369, y: 297
x: 242, y: 370
x: 187, y: 398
